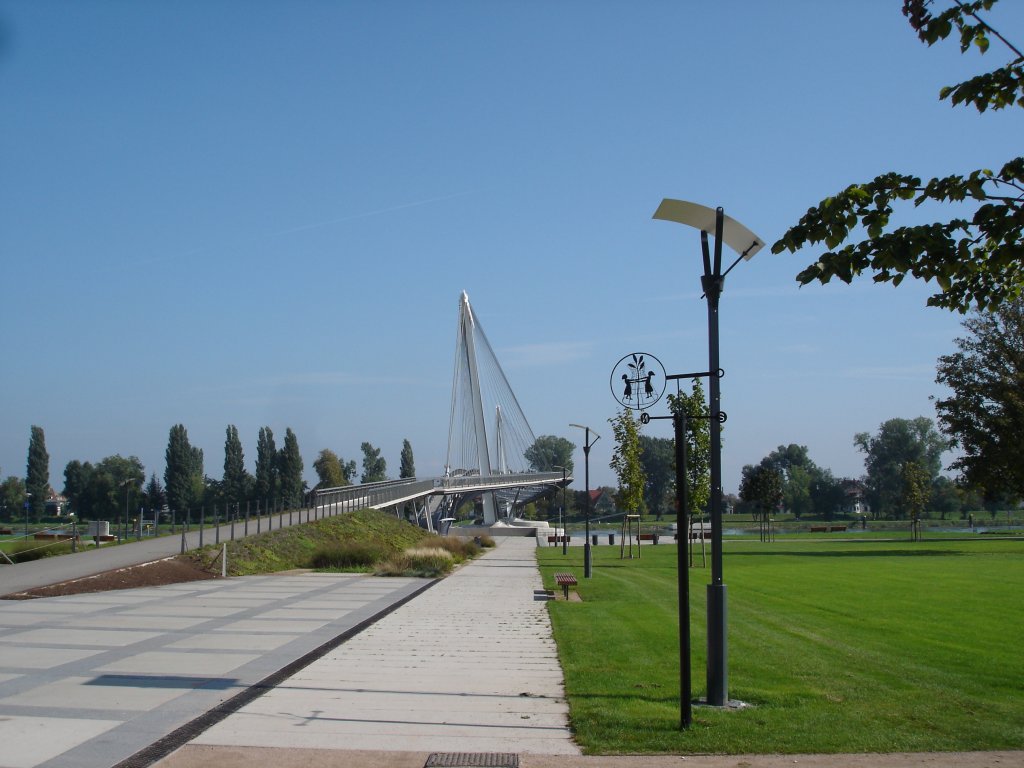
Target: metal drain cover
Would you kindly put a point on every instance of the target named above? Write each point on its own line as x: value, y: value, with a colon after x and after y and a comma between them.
x: 472, y: 760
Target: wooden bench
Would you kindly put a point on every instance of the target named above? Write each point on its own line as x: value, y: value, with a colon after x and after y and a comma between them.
x: 652, y: 537
x: 552, y: 540
x: 565, y: 580
x: 6, y: 532
x: 837, y: 528
x: 819, y: 529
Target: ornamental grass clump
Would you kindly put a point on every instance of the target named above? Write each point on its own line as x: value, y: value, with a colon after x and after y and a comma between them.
x: 422, y: 562
x: 461, y: 549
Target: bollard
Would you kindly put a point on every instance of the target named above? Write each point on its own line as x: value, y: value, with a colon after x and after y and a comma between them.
x: 655, y: 538
x: 611, y: 538
x: 593, y: 539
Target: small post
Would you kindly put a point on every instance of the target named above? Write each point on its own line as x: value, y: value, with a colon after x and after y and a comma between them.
x: 224, y: 560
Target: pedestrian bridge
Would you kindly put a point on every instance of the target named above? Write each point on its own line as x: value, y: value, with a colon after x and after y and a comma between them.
x: 488, y: 438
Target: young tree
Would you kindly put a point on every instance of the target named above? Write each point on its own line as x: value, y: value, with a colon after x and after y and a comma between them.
x: 290, y: 470
x: 976, y: 260
x: 984, y: 414
x: 183, y: 474
x: 698, y: 444
x: 898, y: 441
x: 915, y: 490
x: 237, y: 482
x: 37, y: 476
x: 548, y: 452
x: 408, y: 466
x: 626, y: 462
x: 266, y: 467
x: 374, y: 466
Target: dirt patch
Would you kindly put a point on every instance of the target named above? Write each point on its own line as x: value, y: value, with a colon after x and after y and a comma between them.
x: 173, y: 570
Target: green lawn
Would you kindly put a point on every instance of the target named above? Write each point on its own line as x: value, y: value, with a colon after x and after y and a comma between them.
x: 857, y: 646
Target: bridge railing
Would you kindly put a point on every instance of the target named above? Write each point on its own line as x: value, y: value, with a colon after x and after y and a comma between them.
x: 348, y: 498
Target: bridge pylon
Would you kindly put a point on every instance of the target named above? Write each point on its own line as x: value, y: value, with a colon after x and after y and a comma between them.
x: 481, y: 395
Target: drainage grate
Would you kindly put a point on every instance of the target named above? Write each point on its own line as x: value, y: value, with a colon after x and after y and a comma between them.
x: 472, y: 760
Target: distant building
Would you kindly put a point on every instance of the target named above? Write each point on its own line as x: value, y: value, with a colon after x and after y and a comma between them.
x: 56, y: 505
x: 855, y: 502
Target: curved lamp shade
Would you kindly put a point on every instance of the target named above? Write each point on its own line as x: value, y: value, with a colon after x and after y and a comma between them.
x: 734, y: 234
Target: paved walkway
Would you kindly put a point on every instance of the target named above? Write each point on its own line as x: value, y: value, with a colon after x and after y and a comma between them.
x: 468, y: 666
x: 88, y: 680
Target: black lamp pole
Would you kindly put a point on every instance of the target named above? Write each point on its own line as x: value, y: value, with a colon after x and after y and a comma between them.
x: 746, y: 244
x: 588, y: 569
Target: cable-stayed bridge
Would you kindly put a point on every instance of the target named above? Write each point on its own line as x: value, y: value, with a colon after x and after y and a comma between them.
x: 488, y: 438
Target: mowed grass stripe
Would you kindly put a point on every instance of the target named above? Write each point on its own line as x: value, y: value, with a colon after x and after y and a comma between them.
x: 845, y: 646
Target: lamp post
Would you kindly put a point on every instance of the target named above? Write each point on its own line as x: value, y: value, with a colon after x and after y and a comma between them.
x: 565, y: 539
x: 746, y: 244
x: 587, y: 565
x: 127, y: 484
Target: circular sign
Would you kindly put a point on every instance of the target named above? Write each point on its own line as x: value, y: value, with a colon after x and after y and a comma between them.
x: 638, y: 381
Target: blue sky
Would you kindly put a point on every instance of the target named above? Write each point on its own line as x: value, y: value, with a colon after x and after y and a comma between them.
x: 263, y: 213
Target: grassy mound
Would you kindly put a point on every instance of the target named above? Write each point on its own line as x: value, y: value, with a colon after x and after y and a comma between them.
x: 346, y: 542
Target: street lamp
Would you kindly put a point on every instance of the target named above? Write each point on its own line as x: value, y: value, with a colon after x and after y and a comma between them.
x: 587, y: 566
x: 127, y: 484
x: 746, y: 244
x: 565, y: 539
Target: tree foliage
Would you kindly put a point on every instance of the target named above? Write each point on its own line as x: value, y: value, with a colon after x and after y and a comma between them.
x: 12, y: 496
x: 915, y: 490
x: 698, y: 443
x: 266, y: 486
x: 290, y: 471
x: 37, y: 475
x: 331, y: 470
x: 626, y: 462
x: 407, y: 468
x: 658, y: 459
x: 898, y: 442
x: 375, y: 468
x: 183, y: 473
x: 237, y: 483
x: 977, y: 259
x: 761, y: 486
x: 984, y: 414
x: 549, y: 452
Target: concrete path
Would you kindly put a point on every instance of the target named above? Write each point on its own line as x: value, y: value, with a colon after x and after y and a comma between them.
x: 87, y: 681
x: 467, y: 667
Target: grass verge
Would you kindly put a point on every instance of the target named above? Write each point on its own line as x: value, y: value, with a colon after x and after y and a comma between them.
x: 839, y: 646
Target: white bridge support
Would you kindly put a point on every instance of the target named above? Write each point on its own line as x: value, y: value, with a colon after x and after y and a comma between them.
x: 488, y: 434
x: 465, y: 349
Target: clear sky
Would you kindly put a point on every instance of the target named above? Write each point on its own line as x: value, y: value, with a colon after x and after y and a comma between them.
x: 221, y: 212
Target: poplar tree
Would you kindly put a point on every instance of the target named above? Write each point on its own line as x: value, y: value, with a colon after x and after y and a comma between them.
x: 183, y: 473
x: 290, y: 470
x: 266, y: 466
x: 408, y: 467
x: 37, y: 475
x: 236, y: 480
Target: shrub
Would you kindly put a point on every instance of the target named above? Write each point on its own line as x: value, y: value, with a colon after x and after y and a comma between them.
x: 347, y: 555
x: 24, y: 551
x: 486, y: 541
